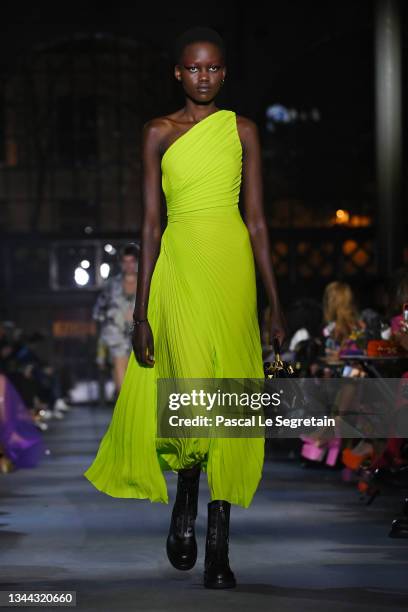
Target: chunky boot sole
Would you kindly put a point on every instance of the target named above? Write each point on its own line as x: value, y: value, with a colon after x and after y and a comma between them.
x: 219, y: 582
x: 178, y: 561
x: 217, y: 571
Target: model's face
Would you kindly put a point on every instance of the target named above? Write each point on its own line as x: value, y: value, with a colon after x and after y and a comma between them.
x: 129, y: 264
x: 201, y: 71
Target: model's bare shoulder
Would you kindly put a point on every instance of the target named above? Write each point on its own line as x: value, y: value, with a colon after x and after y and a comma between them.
x: 152, y: 134
x: 248, y: 132
x: 158, y: 131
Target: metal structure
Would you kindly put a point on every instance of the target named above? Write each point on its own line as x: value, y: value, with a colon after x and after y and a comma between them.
x: 388, y: 96
x: 71, y: 117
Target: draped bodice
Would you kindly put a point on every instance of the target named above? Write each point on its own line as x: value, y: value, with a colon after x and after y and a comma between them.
x: 201, y: 170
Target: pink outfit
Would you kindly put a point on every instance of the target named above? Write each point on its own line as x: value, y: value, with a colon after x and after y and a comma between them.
x: 310, y: 450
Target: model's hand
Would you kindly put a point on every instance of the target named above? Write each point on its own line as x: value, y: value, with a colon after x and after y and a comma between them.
x: 143, y: 344
x: 277, y: 325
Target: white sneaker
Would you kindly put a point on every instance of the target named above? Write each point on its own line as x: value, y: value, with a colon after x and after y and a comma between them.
x: 61, y: 404
x: 45, y: 413
x: 41, y: 425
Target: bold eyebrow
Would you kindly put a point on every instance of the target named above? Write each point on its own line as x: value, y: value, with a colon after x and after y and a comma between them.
x: 198, y: 62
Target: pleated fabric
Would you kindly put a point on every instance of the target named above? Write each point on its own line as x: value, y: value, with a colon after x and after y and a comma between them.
x: 203, y: 313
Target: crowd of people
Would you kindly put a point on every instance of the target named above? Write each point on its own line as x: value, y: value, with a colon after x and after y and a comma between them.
x: 335, y: 338
x: 30, y: 390
x: 323, y: 337
x: 30, y: 397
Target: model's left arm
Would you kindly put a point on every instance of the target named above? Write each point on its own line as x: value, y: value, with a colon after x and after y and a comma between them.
x: 252, y: 191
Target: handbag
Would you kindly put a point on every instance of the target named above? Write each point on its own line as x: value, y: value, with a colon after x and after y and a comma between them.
x: 278, y: 368
x: 293, y: 400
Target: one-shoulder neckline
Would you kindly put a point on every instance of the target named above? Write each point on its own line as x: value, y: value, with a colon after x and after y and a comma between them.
x: 221, y: 110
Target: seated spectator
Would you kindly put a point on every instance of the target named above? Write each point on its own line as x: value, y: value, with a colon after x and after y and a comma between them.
x: 397, y: 313
x: 341, y: 316
x: 21, y: 442
x: 34, y: 379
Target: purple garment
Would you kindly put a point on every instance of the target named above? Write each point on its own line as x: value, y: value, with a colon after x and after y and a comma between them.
x: 21, y: 440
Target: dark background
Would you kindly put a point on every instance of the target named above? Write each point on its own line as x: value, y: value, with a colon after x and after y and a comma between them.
x: 63, y: 199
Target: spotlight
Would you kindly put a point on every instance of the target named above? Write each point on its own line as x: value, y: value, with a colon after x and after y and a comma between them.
x: 105, y: 270
x: 342, y: 216
x: 110, y: 249
x: 81, y: 276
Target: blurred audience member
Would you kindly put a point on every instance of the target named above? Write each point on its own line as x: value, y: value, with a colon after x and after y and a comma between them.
x: 114, y: 311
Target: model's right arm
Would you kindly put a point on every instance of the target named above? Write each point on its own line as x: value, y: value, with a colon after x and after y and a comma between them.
x: 143, y: 342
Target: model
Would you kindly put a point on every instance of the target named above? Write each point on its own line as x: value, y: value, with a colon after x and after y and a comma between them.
x: 114, y: 309
x: 196, y: 307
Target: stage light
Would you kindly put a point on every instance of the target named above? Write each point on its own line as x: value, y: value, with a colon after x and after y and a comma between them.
x: 342, y: 216
x: 278, y: 113
x: 105, y: 270
x: 85, y: 264
x: 81, y: 276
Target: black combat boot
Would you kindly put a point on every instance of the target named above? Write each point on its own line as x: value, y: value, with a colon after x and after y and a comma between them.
x: 181, y: 542
x: 217, y: 572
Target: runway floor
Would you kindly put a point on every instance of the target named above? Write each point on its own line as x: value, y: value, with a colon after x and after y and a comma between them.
x: 306, y: 542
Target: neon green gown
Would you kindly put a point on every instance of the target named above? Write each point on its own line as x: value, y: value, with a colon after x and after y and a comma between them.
x: 203, y: 314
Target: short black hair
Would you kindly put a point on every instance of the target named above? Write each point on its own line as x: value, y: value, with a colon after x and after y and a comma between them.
x: 130, y: 249
x: 198, y: 34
